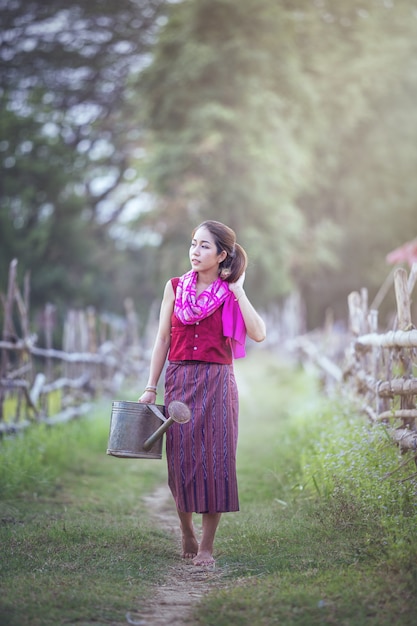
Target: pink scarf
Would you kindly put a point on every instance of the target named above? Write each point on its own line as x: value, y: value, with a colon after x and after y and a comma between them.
x: 190, y: 308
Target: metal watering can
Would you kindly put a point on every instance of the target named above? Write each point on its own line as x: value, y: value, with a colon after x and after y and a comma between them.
x: 136, y: 430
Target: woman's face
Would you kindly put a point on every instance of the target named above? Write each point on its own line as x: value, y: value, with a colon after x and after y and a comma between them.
x: 203, y: 252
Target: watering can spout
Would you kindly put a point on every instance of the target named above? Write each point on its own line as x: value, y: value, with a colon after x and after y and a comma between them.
x: 177, y: 412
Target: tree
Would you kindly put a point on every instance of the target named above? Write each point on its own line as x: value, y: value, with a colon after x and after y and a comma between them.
x: 67, y: 135
x: 365, y: 152
x: 292, y: 121
x: 218, y: 131
x: 264, y: 115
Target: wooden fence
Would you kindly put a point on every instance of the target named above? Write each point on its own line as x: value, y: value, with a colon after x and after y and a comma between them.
x: 379, y: 368
x: 383, y: 366
x: 98, y: 354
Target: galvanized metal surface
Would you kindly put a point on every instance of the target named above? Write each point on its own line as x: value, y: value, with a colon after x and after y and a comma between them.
x: 131, y: 424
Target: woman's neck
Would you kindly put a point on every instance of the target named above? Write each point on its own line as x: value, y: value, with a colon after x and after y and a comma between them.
x: 204, y: 281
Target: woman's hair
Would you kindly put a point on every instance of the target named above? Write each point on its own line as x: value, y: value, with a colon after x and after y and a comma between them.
x: 224, y: 237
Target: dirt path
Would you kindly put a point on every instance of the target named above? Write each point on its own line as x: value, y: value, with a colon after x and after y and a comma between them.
x: 173, y: 600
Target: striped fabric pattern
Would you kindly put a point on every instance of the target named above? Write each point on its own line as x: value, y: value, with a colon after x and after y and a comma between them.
x: 201, y: 454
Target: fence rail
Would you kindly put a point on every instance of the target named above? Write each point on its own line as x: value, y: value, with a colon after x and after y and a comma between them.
x: 379, y: 368
x: 98, y: 355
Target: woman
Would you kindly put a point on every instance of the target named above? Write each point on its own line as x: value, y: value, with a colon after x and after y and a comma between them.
x: 205, y: 317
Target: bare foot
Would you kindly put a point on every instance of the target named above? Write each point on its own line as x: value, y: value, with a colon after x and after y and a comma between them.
x: 203, y: 558
x: 189, y: 546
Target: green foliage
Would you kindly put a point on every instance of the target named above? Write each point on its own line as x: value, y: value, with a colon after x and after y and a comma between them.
x: 67, y: 134
x: 357, y: 462
x: 326, y: 528
x: 326, y: 531
x: 313, y: 599
x: 212, y: 156
x: 288, y: 121
x: 76, y: 542
x: 32, y: 461
x: 294, y: 122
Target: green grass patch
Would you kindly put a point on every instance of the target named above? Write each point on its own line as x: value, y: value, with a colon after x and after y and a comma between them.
x: 33, y: 460
x: 14, y: 406
x: 76, y: 543
x: 339, y: 596
x: 325, y: 535
x: 326, y: 531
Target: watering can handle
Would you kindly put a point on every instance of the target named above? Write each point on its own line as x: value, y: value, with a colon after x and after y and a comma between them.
x: 156, y: 412
x: 160, y: 431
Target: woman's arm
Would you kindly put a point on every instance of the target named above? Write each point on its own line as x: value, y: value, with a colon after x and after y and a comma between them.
x: 255, y: 326
x: 162, y: 343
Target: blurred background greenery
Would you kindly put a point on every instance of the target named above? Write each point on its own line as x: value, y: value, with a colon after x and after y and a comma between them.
x: 123, y: 125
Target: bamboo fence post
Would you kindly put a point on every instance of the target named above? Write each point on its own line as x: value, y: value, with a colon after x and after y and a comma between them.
x: 24, y: 358
x: 402, y: 294
x: 8, y: 333
x: 375, y: 357
x: 93, y: 370
x: 403, y: 299
x: 354, y: 303
x: 26, y: 303
x: 92, y: 329
x: 48, y: 321
x: 364, y: 309
x: 7, y: 328
x: 70, y: 340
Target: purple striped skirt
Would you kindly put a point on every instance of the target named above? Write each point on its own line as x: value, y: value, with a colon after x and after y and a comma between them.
x: 201, y: 454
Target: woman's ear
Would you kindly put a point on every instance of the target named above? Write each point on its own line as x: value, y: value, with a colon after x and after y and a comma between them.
x: 222, y: 256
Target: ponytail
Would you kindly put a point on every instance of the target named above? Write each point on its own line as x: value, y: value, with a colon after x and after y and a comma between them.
x: 232, y: 268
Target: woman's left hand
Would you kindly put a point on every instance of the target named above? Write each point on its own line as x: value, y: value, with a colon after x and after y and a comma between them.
x: 237, y: 287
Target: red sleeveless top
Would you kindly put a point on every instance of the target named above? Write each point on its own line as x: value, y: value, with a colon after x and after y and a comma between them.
x: 202, y: 341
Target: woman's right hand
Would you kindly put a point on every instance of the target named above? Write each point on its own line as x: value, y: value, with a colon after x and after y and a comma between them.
x: 148, y: 397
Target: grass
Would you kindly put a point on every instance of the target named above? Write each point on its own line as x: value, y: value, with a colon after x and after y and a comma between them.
x: 325, y: 535
x: 77, y: 545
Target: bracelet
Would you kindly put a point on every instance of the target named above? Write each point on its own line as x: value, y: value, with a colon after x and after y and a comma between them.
x: 150, y: 388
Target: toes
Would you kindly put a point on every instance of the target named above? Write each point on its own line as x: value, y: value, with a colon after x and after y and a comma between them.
x: 189, y: 555
x: 204, y: 561
x: 189, y: 550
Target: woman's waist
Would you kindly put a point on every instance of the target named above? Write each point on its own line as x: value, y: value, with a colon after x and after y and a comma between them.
x: 190, y: 362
